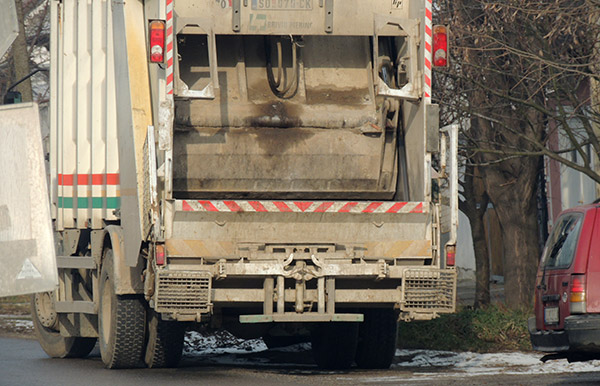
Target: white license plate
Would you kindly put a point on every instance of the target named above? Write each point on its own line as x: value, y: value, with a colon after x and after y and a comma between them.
x: 551, y: 315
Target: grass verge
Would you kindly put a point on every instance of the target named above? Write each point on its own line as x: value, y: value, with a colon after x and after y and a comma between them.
x: 493, y: 328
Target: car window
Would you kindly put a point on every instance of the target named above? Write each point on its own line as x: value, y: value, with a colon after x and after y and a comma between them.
x: 561, y: 245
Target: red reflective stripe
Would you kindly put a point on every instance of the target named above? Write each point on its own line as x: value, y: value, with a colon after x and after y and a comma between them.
x: 427, y: 63
x: 417, y: 209
x: 257, y: 206
x: 396, y: 207
x: 428, y: 13
x: 112, y: 179
x: 427, y: 80
x: 233, y: 206
x: 323, y: 207
x: 208, y: 206
x: 282, y: 206
x: 88, y: 179
x: 186, y: 207
x: 66, y: 179
x: 428, y: 30
x: 427, y: 47
x: 303, y: 205
x: 372, y: 206
x: 346, y: 208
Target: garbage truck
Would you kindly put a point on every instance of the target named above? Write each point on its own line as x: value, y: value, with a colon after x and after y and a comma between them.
x: 270, y: 167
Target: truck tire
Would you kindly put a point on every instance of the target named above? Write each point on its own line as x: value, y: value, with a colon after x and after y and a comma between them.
x: 377, y: 339
x: 165, y: 342
x: 334, y: 345
x: 121, y: 323
x: 45, y: 322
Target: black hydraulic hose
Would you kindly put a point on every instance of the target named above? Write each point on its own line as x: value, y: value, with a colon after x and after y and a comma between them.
x: 25, y: 78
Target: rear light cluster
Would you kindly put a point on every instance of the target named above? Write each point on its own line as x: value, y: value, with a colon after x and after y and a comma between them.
x: 450, y: 255
x: 161, y: 258
x: 440, y: 46
x: 577, y: 299
x: 157, y: 41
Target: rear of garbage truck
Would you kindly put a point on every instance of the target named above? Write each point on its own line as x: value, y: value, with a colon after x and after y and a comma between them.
x: 271, y: 167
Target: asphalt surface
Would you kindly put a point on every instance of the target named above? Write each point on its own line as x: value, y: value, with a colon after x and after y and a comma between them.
x: 23, y: 363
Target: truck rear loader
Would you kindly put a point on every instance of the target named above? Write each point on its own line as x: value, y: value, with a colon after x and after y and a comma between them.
x: 270, y: 167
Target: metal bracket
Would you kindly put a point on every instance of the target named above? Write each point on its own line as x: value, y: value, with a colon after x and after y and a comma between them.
x: 329, y: 16
x: 236, y: 18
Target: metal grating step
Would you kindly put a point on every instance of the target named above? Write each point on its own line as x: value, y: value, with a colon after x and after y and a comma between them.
x: 183, y: 292
x: 429, y: 290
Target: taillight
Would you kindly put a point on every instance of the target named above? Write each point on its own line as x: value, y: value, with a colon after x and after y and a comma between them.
x: 157, y: 41
x: 577, y: 299
x: 440, y: 46
x: 450, y: 255
x: 160, y: 255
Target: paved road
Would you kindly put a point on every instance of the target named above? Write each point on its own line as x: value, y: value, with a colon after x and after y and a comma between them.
x: 22, y: 362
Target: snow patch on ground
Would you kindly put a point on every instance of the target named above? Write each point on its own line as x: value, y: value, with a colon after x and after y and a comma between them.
x: 221, y: 342
x: 16, y: 324
x: 469, y: 363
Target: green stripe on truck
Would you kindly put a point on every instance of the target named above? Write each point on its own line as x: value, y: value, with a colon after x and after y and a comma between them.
x: 96, y: 202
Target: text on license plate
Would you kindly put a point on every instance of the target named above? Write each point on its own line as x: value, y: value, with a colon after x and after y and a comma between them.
x: 551, y: 315
x: 288, y: 5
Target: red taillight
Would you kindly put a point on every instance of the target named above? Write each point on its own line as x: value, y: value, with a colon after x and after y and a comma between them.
x: 577, y: 303
x: 440, y: 46
x: 157, y: 41
x: 160, y: 255
x: 451, y: 255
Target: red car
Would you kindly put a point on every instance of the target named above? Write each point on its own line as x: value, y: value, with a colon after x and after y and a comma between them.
x: 567, y: 292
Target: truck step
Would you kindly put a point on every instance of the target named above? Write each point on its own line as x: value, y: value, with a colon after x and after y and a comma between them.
x: 76, y: 306
x: 75, y: 262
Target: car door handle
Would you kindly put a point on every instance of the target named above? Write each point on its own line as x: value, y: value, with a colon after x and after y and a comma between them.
x: 565, y: 283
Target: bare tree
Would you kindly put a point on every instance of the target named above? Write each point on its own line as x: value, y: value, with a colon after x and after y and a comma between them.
x: 518, y: 65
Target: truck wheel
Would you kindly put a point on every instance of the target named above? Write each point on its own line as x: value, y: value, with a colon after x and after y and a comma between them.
x: 165, y: 342
x: 121, y: 323
x: 45, y: 321
x: 377, y: 339
x: 334, y: 345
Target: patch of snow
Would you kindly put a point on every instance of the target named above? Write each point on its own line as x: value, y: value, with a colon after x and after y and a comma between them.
x: 221, y: 342
x: 469, y: 363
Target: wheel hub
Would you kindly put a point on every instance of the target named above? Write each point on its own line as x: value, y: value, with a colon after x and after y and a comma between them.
x: 45, y: 310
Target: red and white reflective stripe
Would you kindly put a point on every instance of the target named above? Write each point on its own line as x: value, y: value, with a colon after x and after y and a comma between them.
x: 302, y: 206
x: 169, y: 50
x: 428, y: 50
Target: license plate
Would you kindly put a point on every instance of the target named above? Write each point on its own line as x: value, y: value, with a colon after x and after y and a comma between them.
x: 551, y: 315
x: 282, y: 5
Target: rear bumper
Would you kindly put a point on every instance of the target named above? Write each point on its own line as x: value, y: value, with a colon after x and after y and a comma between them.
x: 581, y: 333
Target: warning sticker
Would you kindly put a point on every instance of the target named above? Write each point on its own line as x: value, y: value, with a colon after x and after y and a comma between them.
x: 29, y: 271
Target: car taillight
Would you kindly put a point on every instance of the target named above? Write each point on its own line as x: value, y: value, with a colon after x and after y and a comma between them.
x: 440, y: 46
x: 157, y: 41
x: 450, y: 255
x: 160, y: 255
x: 577, y: 299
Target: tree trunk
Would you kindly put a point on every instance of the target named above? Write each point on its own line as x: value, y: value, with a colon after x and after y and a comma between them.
x: 514, y: 199
x: 474, y: 208
x: 482, y: 260
x: 20, y: 57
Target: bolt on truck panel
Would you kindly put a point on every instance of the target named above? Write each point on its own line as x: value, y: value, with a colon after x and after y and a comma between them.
x: 248, y: 161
